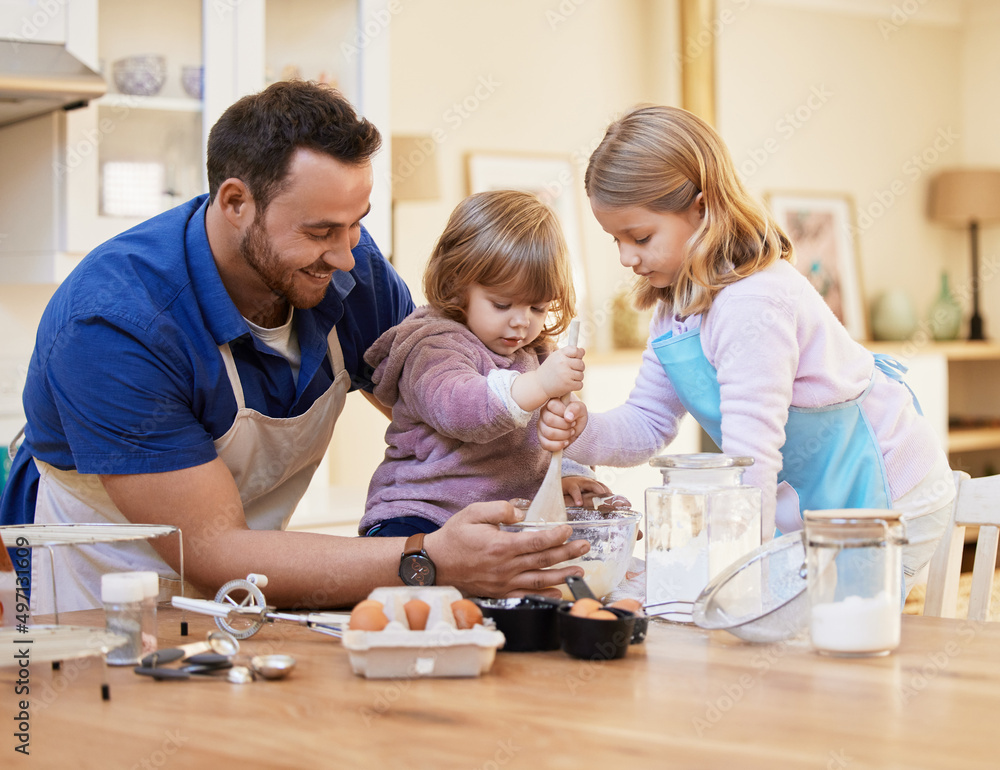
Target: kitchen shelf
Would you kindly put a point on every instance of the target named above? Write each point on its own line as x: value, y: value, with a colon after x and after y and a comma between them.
x: 165, y: 103
x: 973, y: 439
x: 955, y: 350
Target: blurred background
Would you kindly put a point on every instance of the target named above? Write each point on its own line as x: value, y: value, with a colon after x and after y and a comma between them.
x: 860, y: 102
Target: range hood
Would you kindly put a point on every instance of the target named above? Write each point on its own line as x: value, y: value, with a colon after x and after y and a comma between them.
x: 38, y: 78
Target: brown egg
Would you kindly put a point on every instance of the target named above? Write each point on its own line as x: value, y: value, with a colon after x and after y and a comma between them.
x: 368, y: 603
x: 368, y: 618
x: 416, y: 614
x: 467, y: 613
x: 602, y: 615
x: 583, y: 608
x: 632, y: 605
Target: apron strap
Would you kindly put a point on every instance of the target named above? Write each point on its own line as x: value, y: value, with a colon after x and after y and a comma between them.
x: 234, y: 377
x: 336, y: 353
x: 894, y: 370
x: 334, y: 350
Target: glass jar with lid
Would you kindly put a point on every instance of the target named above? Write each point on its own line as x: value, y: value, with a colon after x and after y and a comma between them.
x: 855, y: 578
x: 701, y: 520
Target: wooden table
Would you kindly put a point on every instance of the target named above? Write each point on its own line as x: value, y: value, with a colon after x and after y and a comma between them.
x: 686, y: 698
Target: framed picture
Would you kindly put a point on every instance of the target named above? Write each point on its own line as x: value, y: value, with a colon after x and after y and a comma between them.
x: 550, y: 177
x: 821, y: 227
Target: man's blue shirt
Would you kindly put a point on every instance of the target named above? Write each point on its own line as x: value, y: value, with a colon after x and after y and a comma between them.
x: 126, y: 375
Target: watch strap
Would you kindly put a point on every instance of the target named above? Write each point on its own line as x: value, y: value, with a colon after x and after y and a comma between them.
x: 414, y: 544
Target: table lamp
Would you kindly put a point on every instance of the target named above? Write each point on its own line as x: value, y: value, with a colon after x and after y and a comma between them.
x: 414, y: 173
x: 968, y: 197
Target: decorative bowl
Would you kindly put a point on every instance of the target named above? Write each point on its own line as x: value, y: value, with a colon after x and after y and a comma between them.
x: 140, y: 75
x: 611, y: 536
x: 192, y: 80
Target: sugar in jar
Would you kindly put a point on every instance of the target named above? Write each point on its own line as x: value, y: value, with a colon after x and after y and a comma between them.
x: 855, y: 579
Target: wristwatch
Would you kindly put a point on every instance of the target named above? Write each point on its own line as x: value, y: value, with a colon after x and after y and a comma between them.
x: 415, y: 566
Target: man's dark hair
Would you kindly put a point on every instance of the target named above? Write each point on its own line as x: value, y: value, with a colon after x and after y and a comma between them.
x: 255, y: 138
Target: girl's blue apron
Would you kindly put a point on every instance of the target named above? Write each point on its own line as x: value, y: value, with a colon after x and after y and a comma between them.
x: 830, y: 456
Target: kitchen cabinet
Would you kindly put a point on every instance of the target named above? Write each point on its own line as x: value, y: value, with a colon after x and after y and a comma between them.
x: 965, y: 404
x: 157, y: 142
x: 31, y: 20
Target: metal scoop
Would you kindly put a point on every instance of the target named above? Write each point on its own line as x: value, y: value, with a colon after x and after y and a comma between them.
x: 272, y: 666
x: 548, y: 503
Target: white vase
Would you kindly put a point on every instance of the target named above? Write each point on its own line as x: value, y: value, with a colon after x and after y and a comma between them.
x: 893, y: 317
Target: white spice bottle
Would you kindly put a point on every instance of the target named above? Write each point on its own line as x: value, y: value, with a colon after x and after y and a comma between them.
x: 121, y: 593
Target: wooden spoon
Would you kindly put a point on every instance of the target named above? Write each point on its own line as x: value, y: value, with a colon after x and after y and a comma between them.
x: 548, y: 504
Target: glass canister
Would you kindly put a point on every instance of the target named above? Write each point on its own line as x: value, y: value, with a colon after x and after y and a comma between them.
x: 855, y: 577
x: 699, y: 522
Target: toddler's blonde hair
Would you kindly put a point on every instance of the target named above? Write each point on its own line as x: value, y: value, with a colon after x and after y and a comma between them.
x: 506, y: 241
x: 660, y: 158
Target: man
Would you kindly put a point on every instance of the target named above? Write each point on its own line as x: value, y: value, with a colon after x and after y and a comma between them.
x: 190, y: 372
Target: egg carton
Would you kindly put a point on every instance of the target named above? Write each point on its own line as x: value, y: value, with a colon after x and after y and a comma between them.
x: 440, y: 650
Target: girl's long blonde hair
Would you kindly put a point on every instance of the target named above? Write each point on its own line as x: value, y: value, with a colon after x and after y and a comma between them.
x: 507, y: 241
x: 660, y: 158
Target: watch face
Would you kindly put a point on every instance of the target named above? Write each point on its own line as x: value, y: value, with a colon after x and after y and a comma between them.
x: 416, y: 570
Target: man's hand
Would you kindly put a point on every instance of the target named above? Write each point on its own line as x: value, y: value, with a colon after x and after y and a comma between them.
x: 559, y: 424
x: 472, y: 554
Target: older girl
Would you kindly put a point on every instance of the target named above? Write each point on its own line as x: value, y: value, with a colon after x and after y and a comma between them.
x: 743, y: 342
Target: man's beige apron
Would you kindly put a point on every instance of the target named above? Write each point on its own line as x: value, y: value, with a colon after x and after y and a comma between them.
x: 271, y: 459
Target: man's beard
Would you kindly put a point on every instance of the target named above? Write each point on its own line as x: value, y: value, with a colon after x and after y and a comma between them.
x: 258, y: 253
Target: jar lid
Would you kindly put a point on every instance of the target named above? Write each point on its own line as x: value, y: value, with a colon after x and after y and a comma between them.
x: 150, y: 583
x: 700, y: 460
x: 856, y: 514
x: 120, y: 587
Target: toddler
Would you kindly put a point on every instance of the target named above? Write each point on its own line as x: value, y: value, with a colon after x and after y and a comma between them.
x: 466, y: 374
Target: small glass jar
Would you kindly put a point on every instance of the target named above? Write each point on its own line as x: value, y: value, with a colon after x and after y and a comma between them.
x: 855, y: 578
x: 121, y: 593
x: 150, y: 593
x: 698, y: 523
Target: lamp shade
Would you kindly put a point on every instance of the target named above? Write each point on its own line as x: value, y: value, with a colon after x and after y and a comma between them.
x: 962, y: 196
x: 414, y: 169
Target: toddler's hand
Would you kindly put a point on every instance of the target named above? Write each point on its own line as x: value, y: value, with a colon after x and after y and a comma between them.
x: 559, y: 424
x: 561, y: 372
x: 580, y: 491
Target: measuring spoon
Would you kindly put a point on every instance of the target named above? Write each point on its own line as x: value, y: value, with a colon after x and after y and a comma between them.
x: 233, y: 674
x: 219, y: 645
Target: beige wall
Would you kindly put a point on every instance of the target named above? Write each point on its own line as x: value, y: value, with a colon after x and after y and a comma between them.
x: 878, y: 103
x: 981, y: 119
x: 559, y: 72
x: 876, y: 108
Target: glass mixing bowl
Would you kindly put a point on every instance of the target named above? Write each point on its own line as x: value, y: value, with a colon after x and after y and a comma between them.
x: 611, y: 536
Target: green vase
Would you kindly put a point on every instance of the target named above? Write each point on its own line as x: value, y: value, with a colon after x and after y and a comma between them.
x: 945, y: 316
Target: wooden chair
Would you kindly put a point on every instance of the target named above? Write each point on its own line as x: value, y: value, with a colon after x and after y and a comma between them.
x: 977, y: 503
